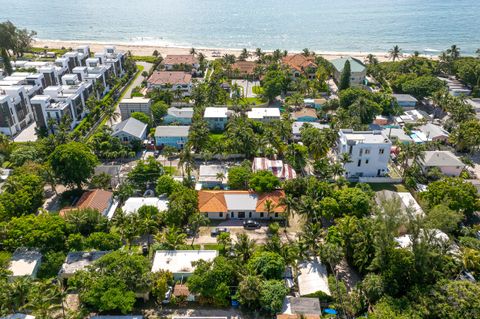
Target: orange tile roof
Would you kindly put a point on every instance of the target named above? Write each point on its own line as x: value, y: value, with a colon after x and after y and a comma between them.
x: 245, y: 67
x: 211, y: 201
x: 180, y: 59
x: 299, y: 62
x: 275, y: 197
x: 170, y: 77
x: 98, y: 199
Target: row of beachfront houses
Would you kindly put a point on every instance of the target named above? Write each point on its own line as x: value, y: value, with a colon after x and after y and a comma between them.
x: 57, y: 89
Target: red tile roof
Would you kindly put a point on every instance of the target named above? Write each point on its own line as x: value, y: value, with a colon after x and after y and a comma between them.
x: 98, y: 199
x: 180, y: 59
x: 299, y: 62
x: 244, y: 67
x: 169, y: 77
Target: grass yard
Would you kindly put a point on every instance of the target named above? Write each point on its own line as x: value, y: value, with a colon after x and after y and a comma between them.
x: 390, y: 187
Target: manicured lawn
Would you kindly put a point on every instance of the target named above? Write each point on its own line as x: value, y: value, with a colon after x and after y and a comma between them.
x: 390, y: 187
x: 212, y: 246
x: 257, y: 89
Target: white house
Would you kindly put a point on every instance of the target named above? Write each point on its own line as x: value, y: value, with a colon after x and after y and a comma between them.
x: 369, y: 152
x: 434, y: 132
x: 446, y: 161
x: 25, y: 262
x: 77, y: 261
x: 130, y: 130
x: 264, y: 114
x: 180, y: 262
x: 312, y: 277
x: 133, y: 204
x: 241, y: 204
x: 175, y: 60
x: 281, y: 170
x: 296, y: 128
x: 216, y: 117
x: 209, y: 175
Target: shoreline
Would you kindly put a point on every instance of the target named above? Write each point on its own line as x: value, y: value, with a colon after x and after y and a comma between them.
x: 147, y: 49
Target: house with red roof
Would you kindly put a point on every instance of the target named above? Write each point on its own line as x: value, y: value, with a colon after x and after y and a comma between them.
x: 300, y: 64
x: 226, y: 204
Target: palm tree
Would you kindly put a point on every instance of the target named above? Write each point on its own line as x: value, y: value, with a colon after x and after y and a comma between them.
x: 172, y: 238
x: 220, y: 177
x: 258, y: 53
x: 306, y: 52
x: 244, y: 55
x: 193, y: 51
x: 454, y: 52
x: 19, y: 289
x: 478, y: 53
x: 43, y: 300
x: 295, y: 100
x: 372, y: 59
x: 244, y: 247
x: 270, y: 207
x: 395, y: 52
x: 186, y: 160
x: 288, y: 201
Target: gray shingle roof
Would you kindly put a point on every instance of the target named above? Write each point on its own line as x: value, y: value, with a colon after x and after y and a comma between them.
x: 186, y: 112
x: 404, y: 98
x: 173, y: 131
x: 441, y: 158
x: 130, y: 126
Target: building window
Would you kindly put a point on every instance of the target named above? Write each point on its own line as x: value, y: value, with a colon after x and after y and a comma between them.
x: 276, y: 215
x: 249, y: 214
x: 381, y: 151
x: 361, y: 151
x: 220, y: 214
x: 261, y: 215
x: 367, y: 151
x: 366, y: 161
x: 359, y: 163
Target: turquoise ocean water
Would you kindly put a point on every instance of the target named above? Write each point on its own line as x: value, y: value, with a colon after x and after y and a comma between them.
x: 322, y: 25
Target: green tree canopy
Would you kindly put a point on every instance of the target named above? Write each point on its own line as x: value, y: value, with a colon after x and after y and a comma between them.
x: 345, y: 77
x: 73, y: 163
x: 239, y: 176
x: 263, y: 182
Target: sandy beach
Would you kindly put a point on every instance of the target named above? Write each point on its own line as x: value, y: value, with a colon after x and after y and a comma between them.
x: 143, y: 49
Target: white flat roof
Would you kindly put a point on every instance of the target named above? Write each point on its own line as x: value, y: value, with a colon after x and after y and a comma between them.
x: 215, y: 112
x: 134, y: 203
x: 25, y: 263
x: 409, y: 201
x: 180, y: 261
x: 312, y: 277
x: 261, y: 112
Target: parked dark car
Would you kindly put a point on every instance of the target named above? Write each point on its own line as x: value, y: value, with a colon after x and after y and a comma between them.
x: 217, y: 231
x: 251, y: 224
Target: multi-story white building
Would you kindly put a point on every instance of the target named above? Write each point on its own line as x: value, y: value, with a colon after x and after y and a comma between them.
x: 216, y: 117
x: 369, y: 152
x: 15, y: 110
x: 135, y: 104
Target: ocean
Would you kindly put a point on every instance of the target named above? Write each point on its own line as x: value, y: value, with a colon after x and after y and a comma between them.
x: 428, y: 26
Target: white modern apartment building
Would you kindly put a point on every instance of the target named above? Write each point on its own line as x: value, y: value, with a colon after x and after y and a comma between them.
x: 135, y: 104
x: 369, y: 153
x: 15, y: 110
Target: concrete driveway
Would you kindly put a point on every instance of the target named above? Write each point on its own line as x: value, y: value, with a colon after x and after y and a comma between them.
x: 247, y: 87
